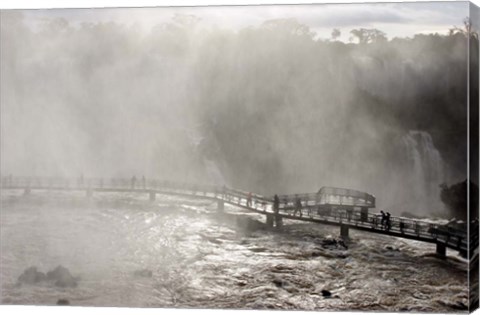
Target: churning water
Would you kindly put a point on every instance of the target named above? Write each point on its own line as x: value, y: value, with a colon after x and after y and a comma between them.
x: 201, y: 259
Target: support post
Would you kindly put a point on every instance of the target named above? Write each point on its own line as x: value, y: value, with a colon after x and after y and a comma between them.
x: 344, y: 231
x: 278, y: 221
x: 220, y: 206
x: 152, y: 196
x: 270, y: 219
x: 441, y: 250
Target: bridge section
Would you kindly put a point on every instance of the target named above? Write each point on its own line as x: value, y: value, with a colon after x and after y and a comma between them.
x: 345, y: 208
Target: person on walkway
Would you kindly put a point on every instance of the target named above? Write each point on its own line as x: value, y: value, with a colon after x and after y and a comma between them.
x: 249, y: 200
x: 276, y: 203
x: 384, y: 218
x: 388, y: 223
x: 298, y: 206
x: 134, y: 179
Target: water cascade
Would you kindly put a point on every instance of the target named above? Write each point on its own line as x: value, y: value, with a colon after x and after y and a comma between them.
x: 425, y: 171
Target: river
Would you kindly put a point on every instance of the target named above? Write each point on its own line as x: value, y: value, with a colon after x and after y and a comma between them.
x: 201, y: 259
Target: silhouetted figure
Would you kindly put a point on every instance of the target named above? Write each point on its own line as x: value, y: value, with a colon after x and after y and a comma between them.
x: 402, y: 226
x: 298, y: 206
x: 276, y: 203
x: 388, y: 223
x: 249, y: 199
x: 384, y: 218
x: 134, y: 179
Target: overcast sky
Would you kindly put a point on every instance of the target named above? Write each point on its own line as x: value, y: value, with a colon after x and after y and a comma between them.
x: 395, y: 19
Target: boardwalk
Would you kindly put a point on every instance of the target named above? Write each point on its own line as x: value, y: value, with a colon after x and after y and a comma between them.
x: 313, y: 208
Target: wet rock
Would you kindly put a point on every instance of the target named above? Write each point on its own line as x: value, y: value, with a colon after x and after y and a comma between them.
x: 342, y: 243
x: 249, y: 224
x: 280, y: 283
x: 456, y: 305
x: 210, y: 239
x: 391, y: 248
x: 331, y: 243
x: 258, y: 249
x: 31, y: 276
x: 326, y: 293
x: 145, y: 273
x: 62, y: 277
x: 63, y: 302
x: 420, y: 296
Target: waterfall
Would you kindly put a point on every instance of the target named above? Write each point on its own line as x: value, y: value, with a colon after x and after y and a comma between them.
x: 425, y: 171
x: 211, y: 168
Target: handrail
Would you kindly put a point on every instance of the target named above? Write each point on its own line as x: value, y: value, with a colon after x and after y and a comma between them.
x: 311, y: 207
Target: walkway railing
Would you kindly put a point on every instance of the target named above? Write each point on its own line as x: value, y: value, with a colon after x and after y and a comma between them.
x: 312, y: 207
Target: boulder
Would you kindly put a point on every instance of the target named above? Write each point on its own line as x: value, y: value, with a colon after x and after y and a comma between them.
x: 63, y: 302
x: 31, y: 276
x: 326, y: 293
x: 62, y: 277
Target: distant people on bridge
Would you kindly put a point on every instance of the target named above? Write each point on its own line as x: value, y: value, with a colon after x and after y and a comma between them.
x: 134, y: 179
x: 402, y: 226
x: 388, y: 223
x: 384, y: 218
x: 298, y: 206
x: 249, y: 199
x: 276, y: 203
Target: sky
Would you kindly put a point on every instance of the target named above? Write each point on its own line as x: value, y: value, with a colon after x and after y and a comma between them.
x: 395, y: 19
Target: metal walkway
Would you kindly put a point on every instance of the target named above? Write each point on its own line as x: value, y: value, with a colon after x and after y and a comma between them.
x: 312, y: 208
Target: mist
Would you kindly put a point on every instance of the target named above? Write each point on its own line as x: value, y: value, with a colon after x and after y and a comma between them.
x: 269, y: 109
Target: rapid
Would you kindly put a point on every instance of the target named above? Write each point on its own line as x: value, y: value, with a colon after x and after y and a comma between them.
x: 199, y: 258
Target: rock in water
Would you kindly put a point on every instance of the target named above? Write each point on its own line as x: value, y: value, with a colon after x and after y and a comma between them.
x: 326, y: 293
x: 63, y: 302
x: 62, y: 277
x: 31, y: 276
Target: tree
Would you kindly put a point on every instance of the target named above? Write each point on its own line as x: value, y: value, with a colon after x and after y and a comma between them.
x: 455, y: 198
x: 289, y: 26
x: 466, y: 30
x: 366, y: 36
x: 336, y: 33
